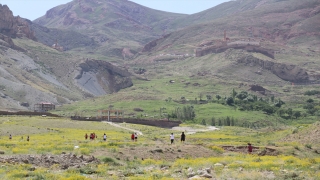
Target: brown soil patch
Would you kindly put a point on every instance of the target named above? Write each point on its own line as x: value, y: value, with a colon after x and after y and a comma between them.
x: 64, y: 161
x: 261, y: 151
x: 165, y: 152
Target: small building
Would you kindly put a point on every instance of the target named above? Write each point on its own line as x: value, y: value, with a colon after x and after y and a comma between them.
x: 57, y: 46
x: 44, y: 107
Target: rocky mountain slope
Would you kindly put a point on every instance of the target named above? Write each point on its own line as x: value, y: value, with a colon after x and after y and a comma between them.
x: 113, y: 25
x: 70, y: 53
x: 31, y: 72
x: 273, y: 29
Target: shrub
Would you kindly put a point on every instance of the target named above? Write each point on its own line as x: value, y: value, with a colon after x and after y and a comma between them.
x: 84, y: 151
x: 138, y: 109
x: 217, y: 149
x: 312, y: 92
x: 108, y: 160
x: 309, y: 146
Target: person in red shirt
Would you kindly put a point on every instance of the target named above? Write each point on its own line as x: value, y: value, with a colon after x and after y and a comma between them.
x: 249, y: 148
x: 132, y: 137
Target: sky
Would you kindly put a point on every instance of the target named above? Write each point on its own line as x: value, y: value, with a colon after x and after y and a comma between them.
x: 33, y: 9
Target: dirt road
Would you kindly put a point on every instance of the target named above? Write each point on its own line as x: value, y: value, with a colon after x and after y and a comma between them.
x: 118, y: 126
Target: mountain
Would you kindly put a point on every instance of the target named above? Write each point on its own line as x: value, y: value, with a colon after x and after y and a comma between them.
x: 91, y: 48
x: 31, y: 72
x: 281, y: 34
x: 113, y: 25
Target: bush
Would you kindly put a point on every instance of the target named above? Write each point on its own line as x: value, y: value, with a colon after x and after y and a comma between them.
x: 138, y: 109
x: 309, y: 146
x: 230, y: 101
x: 312, y: 92
x: 217, y: 149
x: 88, y: 170
x: 108, y: 160
x: 84, y: 151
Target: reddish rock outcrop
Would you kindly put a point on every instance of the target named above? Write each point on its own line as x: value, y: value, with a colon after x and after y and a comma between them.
x: 8, y: 23
x: 12, y: 26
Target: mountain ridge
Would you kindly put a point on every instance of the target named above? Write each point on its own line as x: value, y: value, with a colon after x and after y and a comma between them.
x: 107, y: 40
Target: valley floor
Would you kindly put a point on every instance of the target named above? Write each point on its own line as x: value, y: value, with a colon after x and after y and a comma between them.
x: 57, y: 149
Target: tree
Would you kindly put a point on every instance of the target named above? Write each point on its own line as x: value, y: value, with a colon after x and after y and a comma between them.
x: 229, y: 101
x: 228, y: 121
x: 203, y: 122
x: 272, y: 99
x: 249, y: 98
x: 280, y: 112
x: 209, y: 97
x: 279, y: 103
x: 242, y: 95
x: 185, y: 113
x: 310, y: 108
x: 297, y: 114
x: 213, y: 121
x: 200, y: 96
x: 310, y: 101
x: 169, y: 99
x: 289, y: 112
x: 268, y: 109
x: 234, y: 93
x: 232, y: 122
x: 218, y: 97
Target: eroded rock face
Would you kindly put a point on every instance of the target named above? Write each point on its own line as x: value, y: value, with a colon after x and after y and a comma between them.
x: 152, y: 44
x: 100, y: 77
x: 8, y: 23
x: 12, y: 26
x: 222, y: 48
x: 286, y: 72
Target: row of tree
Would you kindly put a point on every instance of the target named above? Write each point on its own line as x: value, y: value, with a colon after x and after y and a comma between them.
x: 245, y: 102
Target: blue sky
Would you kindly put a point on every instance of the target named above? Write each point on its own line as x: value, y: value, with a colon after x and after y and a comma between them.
x: 32, y: 9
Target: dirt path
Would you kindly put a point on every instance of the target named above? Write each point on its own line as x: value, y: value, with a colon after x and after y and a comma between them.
x: 190, y: 130
x: 118, y: 126
x: 187, y: 130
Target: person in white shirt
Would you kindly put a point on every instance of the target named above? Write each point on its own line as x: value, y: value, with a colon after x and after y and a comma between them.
x: 104, y: 137
x: 171, y: 138
x: 135, y: 136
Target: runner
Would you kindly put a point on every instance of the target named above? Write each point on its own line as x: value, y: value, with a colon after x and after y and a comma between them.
x: 183, y: 137
x: 104, y: 137
x: 171, y: 138
x: 136, y: 137
x: 249, y: 148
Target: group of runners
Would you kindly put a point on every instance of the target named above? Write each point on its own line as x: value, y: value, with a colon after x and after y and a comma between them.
x: 134, y: 137
x: 182, y: 137
x: 28, y: 138
x: 92, y: 136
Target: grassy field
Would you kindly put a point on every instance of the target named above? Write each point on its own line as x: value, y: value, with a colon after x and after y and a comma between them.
x: 152, y: 157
